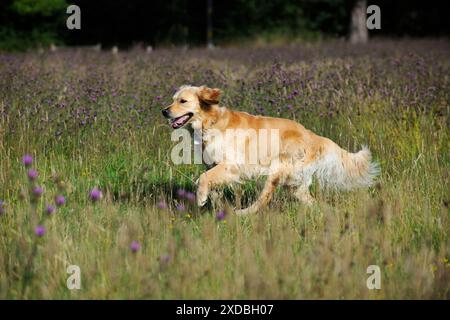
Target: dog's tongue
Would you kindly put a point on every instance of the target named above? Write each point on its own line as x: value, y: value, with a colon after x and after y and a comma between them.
x: 180, y: 121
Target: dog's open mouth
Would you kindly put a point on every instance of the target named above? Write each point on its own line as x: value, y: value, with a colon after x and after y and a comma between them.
x: 180, y: 121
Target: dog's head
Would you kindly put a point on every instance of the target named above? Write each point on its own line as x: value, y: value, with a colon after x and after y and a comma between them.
x: 190, y: 104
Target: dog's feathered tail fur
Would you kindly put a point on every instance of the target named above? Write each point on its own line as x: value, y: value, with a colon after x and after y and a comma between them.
x: 343, y: 170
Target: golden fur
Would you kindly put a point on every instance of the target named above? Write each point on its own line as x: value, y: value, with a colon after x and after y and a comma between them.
x: 301, y: 154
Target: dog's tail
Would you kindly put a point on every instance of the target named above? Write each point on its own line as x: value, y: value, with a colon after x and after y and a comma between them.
x: 344, y: 170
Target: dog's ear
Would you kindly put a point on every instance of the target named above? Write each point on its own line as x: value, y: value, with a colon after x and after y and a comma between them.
x: 208, y: 95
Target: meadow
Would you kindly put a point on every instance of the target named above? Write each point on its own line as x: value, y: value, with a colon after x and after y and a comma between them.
x: 98, y: 189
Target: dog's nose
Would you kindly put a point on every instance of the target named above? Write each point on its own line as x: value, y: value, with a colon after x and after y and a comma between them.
x: 166, y: 113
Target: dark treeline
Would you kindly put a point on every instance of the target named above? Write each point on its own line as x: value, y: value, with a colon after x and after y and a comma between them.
x: 25, y: 23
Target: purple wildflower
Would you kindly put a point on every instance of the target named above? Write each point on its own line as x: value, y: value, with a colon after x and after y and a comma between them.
x: 27, y: 160
x: 49, y: 209
x: 135, y: 246
x: 95, y: 194
x: 40, y: 230
x: 181, y: 207
x: 181, y: 193
x: 60, y: 200
x: 37, y: 191
x: 220, y: 215
x: 190, y: 196
x: 32, y: 174
x: 162, y: 205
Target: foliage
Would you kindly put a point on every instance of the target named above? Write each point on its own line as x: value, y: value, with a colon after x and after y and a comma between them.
x: 44, y: 8
x: 29, y: 23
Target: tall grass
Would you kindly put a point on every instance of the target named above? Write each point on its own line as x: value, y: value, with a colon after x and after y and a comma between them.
x: 93, y: 119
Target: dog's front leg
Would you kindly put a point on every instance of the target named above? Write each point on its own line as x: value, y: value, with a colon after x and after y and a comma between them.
x: 220, y: 174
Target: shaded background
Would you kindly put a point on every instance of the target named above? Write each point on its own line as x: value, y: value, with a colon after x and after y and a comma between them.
x: 31, y: 23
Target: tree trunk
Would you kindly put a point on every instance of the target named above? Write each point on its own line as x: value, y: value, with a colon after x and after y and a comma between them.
x: 209, y: 29
x: 358, y: 28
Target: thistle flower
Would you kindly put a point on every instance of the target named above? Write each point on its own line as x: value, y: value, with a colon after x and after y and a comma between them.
x: 37, y: 191
x: 40, y: 230
x: 181, y: 193
x: 135, y: 246
x: 60, y: 200
x: 95, y: 194
x: 27, y: 160
x: 32, y: 174
x: 161, y: 205
x: 49, y: 209
x: 181, y: 207
x: 220, y: 215
x: 190, y: 196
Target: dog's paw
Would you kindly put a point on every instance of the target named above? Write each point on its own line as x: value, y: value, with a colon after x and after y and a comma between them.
x: 244, y: 212
x: 201, y: 199
x: 201, y: 203
x: 241, y: 212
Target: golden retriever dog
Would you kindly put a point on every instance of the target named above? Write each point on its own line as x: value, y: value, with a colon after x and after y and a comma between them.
x: 299, y: 153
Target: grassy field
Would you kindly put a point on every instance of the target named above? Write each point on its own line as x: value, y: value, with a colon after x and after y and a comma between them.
x: 92, y: 119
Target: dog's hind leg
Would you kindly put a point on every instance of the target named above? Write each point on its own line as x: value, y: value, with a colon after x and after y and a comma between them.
x: 302, y: 193
x: 303, y: 183
x: 266, y: 195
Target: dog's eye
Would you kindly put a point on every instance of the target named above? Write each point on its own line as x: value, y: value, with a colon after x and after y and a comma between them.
x: 183, y: 101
